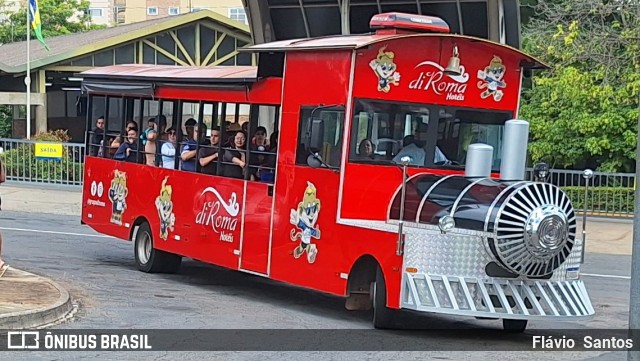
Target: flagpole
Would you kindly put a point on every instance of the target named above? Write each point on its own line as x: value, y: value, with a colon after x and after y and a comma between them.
x: 27, y: 79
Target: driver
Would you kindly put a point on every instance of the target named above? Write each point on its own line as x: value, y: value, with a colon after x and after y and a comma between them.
x: 410, y: 148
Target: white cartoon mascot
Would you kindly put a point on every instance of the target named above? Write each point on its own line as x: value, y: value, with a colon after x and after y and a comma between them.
x: 118, y: 195
x: 164, y: 205
x: 385, y: 70
x: 305, y: 218
x: 492, y: 79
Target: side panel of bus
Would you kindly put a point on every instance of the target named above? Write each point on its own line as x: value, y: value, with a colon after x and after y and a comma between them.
x: 318, y: 255
x: 190, y: 214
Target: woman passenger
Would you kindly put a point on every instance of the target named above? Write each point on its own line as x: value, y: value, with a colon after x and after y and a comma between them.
x: 237, y: 156
x: 128, y: 151
x: 120, y: 139
x: 365, y: 150
x: 168, y: 150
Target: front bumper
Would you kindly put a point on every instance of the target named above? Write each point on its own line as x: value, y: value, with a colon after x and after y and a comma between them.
x: 496, y: 298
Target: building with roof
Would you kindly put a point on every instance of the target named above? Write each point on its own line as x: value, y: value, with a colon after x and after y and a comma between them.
x: 202, y: 38
x: 131, y: 11
x: 118, y: 12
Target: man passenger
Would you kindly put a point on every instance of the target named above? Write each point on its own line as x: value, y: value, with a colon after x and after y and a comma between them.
x: 208, y: 155
x: 97, y: 138
x: 411, y: 149
x: 151, y: 127
x: 188, y: 152
x: 150, y: 147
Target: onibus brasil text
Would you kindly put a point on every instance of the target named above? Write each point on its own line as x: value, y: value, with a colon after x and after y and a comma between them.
x: 49, y: 341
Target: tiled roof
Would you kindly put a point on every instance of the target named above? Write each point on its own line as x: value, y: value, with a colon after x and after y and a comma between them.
x: 63, y: 47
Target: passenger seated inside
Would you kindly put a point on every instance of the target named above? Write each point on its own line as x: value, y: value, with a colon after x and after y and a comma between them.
x: 235, y: 157
x: 411, y: 149
x: 258, y: 147
x: 149, y: 141
x: 168, y: 150
x: 128, y: 151
x: 116, y: 142
x: 208, y: 155
x: 366, y: 150
x: 260, y: 139
x: 188, y: 151
x: 151, y: 128
x: 417, y: 154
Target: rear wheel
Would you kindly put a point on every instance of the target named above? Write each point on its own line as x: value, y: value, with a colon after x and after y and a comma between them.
x: 150, y: 259
x: 514, y: 326
x: 382, y: 315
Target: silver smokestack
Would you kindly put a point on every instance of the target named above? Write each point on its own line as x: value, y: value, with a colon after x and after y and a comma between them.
x: 479, y: 160
x: 514, y: 150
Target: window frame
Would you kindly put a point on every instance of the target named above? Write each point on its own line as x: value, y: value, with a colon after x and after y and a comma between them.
x: 238, y: 14
x: 100, y: 10
x: 149, y: 10
x: 431, y: 133
x: 176, y: 11
x: 303, y: 127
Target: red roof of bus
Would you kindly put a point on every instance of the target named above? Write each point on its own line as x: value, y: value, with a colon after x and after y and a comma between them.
x: 361, y: 41
x: 234, y: 74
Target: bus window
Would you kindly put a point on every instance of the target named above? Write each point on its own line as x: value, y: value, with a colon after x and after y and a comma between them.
x: 209, y: 150
x: 191, y: 121
x: 148, y: 110
x: 168, y: 113
x: 389, y: 131
x: 208, y: 111
x: 263, y: 142
x: 115, y: 125
x: 234, y: 157
x: 96, y: 124
x: 331, y: 152
x: 458, y: 128
x: 386, y: 132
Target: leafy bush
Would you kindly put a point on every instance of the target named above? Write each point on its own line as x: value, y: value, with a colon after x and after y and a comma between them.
x: 22, y: 165
x: 602, y: 199
x: 58, y: 135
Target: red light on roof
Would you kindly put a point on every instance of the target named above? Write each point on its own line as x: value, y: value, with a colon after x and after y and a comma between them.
x: 409, y: 22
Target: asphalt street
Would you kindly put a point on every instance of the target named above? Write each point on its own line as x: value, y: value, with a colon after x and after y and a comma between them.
x: 101, y: 276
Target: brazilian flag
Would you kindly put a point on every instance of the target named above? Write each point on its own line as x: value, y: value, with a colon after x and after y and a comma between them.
x: 34, y: 17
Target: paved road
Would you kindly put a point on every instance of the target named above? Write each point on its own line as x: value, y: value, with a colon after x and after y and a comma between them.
x: 100, y: 274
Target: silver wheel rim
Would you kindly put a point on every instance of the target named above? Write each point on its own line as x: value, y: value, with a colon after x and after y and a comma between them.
x: 144, y: 248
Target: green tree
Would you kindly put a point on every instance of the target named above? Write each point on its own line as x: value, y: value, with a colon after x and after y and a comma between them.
x: 58, y: 17
x: 584, y: 111
x: 5, y: 121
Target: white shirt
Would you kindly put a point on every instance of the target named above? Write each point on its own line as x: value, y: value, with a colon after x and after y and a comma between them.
x: 417, y: 155
x: 168, y: 156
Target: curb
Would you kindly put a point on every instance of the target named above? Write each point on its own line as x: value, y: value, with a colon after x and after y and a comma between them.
x: 40, y: 316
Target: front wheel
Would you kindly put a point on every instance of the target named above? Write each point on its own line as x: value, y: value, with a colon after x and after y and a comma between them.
x: 382, y: 315
x: 514, y: 326
x: 150, y: 259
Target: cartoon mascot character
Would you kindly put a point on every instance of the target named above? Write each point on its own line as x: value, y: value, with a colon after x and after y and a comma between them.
x: 385, y: 70
x: 305, y: 218
x: 492, y: 79
x: 165, y: 210
x: 118, y: 195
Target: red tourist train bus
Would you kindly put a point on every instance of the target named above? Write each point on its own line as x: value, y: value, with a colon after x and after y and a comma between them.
x: 394, y: 173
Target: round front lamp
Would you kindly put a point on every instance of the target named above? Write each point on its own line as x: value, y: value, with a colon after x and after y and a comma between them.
x: 446, y: 223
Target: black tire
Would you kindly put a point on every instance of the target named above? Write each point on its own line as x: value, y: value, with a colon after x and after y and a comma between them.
x: 514, y: 326
x: 150, y: 259
x: 382, y: 315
